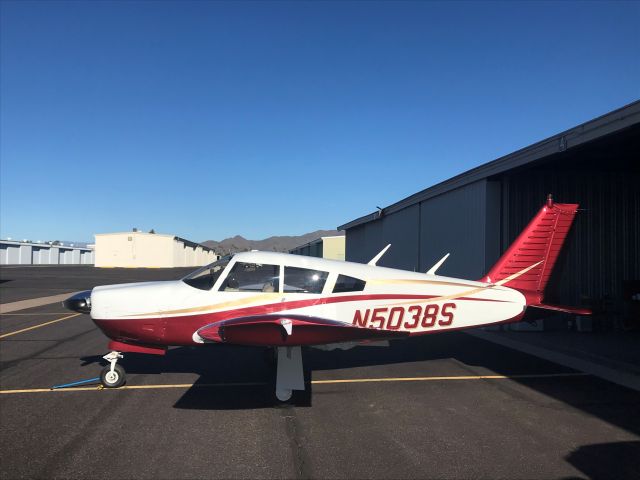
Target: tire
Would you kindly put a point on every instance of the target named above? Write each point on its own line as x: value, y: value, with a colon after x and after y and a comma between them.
x: 112, y: 380
x: 283, y: 396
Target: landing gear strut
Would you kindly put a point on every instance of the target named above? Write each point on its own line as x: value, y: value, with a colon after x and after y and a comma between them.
x: 113, y: 375
x: 290, y: 375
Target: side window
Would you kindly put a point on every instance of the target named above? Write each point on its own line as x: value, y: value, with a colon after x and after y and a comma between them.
x: 252, y: 277
x: 303, y: 280
x: 348, y: 284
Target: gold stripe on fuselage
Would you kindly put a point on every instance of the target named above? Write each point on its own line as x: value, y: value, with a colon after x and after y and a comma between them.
x: 216, y: 306
x: 474, y: 290
x: 453, y: 296
x: 400, y: 281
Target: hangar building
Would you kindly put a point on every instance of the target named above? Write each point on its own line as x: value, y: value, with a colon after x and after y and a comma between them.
x: 323, y: 247
x: 49, y: 253
x: 149, y: 250
x: 476, y: 215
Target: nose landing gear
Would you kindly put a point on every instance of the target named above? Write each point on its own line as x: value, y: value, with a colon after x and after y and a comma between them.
x: 113, y: 375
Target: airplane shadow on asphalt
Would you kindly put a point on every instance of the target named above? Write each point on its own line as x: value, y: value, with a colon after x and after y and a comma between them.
x: 230, y: 377
x: 606, y: 460
x: 233, y: 365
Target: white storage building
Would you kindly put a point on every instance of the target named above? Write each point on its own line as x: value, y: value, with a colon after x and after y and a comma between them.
x: 37, y: 253
x: 323, y: 247
x: 149, y: 250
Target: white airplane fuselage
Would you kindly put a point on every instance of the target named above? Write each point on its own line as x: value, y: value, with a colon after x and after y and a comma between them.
x: 172, y: 312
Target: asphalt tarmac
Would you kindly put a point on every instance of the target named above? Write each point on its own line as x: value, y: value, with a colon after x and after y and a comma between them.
x: 32, y: 281
x: 420, y: 408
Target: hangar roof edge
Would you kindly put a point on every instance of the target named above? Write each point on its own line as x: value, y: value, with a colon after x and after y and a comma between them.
x: 606, y: 124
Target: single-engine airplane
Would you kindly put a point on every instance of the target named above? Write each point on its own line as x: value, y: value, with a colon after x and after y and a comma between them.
x: 288, y: 301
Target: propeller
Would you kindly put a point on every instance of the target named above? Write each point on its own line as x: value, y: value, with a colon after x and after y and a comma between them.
x: 80, y: 302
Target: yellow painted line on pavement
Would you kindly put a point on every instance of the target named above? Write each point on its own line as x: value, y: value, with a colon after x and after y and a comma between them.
x: 314, y: 382
x: 133, y: 387
x: 461, y: 377
x: 39, y: 325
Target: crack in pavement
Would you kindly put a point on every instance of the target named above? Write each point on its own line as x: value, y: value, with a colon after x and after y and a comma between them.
x: 293, y: 430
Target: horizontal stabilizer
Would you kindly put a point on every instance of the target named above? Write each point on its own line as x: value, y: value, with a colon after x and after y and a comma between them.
x: 563, y: 308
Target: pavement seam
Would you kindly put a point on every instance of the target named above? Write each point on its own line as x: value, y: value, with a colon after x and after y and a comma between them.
x: 33, y: 302
x: 296, y: 443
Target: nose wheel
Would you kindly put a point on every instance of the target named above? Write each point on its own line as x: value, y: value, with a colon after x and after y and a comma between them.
x: 113, y: 375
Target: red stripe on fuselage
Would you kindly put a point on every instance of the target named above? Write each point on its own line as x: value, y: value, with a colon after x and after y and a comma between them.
x: 178, y: 330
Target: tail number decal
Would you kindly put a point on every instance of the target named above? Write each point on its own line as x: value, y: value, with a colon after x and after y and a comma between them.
x: 409, y: 318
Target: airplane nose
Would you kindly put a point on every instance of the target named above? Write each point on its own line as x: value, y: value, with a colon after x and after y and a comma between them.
x: 80, y: 302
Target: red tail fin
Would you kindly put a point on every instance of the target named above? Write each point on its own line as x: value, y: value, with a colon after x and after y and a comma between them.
x: 540, y: 241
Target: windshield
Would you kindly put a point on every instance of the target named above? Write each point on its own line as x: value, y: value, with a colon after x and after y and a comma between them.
x: 204, y: 278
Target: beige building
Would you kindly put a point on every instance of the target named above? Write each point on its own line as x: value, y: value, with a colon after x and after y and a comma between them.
x: 149, y: 250
x: 324, y: 247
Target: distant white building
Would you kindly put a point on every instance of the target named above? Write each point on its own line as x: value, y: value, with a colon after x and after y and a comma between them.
x: 149, y: 250
x: 331, y: 248
x: 37, y: 253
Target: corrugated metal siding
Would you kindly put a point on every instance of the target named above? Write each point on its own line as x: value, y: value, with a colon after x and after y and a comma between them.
x: 374, y: 241
x: 420, y: 235
x: 401, y: 231
x: 455, y: 222
x: 603, y: 249
x: 355, y: 244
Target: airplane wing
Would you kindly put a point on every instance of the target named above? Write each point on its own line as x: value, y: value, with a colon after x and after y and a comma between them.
x: 289, y: 330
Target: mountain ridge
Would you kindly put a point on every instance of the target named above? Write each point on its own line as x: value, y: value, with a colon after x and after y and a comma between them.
x: 279, y: 243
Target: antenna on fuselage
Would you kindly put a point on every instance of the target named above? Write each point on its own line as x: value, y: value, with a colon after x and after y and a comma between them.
x: 432, y: 270
x: 375, y: 259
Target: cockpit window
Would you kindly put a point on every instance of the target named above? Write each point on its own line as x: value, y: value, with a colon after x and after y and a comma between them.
x: 303, y: 280
x: 348, y: 284
x: 252, y: 277
x: 204, y: 278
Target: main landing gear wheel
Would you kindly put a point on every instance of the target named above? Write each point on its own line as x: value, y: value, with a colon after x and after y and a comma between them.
x: 112, y: 378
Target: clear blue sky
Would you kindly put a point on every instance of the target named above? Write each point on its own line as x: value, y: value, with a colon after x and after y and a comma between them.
x: 209, y: 119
